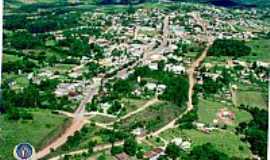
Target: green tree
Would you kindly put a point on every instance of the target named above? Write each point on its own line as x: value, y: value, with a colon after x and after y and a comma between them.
x: 130, y: 146
x: 173, y: 151
x: 207, y: 151
x: 229, y: 47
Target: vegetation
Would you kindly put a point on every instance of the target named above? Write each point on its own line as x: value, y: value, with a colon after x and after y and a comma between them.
x: 255, y: 131
x: 208, y: 109
x: 207, y: 151
x: 174, y: 152
x: 224, y: 47
x: 151, y: 117
x: 130, y: 146
x: 260, y: 48
x: 39, y: 130
x: 33, y: 96
x: 177, y: 86
x: 231, y: 145
x: 186, y: 122
x: 252, y: 98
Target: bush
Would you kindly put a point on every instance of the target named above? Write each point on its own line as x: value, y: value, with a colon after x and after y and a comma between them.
x: 116, y: 150
x: 130, y: 146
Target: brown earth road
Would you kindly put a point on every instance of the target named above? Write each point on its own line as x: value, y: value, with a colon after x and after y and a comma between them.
x: 146, y: 105
x: 172, y: 123
x: 192, y: 82
x: 97, y: 148
x: 77, y: 123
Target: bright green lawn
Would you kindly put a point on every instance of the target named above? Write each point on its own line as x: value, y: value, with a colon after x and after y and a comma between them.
x: 225, y: 141
x: 38, y: 132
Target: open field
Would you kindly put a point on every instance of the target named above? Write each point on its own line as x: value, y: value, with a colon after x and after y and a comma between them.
x: 82, y: 139
x: 154, y: 116
x: 252, y: 95
x: 231, y: 145
x: 10, y: 58
x: 102, y: 119
x: 208, y: 112
x: 261, y: 50
x: 20, y: 80
x: 132, y: 104
x: 38, y: 132
x: 252, y: 98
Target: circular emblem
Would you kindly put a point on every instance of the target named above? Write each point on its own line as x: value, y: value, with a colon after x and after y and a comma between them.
x: 24, y: 151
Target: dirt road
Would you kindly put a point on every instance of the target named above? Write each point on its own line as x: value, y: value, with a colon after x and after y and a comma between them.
x: 95, y: 149
x: 77, y: 123
x: 146, y: 105
x: 192, y: 82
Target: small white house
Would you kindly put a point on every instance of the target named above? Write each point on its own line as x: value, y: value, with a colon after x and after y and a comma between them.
x: 177, y: 69
x: 177, y: 141
x: 151, y: 86
x: 153, y: 66
x: 161, y: 88
x: 186, y: 145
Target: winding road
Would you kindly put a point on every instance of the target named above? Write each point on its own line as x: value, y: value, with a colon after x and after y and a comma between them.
x: 79, y: 120
x: 172, y: 124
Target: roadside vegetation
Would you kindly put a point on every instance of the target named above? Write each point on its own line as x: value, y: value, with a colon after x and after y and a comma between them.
x: 40, y: 129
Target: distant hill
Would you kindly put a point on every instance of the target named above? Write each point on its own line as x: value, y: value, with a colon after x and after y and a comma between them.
x: 235, y: 3
x: 224, y: 3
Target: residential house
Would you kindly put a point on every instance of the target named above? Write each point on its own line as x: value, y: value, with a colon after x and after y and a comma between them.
x: 154, y: 154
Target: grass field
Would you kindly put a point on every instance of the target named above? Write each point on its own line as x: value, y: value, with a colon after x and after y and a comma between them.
x: 261, y: 48
x: 208, y: 110
x: 225, y: 141
x: 155, y: 141
x: 252, y: 98
x: 88, y: 134
x: 102, y: 119
x: 10, y: 58
x: 21, y: 80
x: 154, y: 116
x: 38, y: 132
x: 60, y: 68
x: 132, y: 104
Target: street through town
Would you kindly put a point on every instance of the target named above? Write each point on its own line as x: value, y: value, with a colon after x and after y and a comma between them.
x: 79, y: 120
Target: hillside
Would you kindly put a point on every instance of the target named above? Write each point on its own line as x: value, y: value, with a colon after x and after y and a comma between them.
x: 225, y: 3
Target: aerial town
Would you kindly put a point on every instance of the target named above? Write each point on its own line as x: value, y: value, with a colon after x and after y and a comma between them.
x: 152, y: 81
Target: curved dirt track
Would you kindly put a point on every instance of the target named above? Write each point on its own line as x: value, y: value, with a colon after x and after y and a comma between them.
x: 77, y: 123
